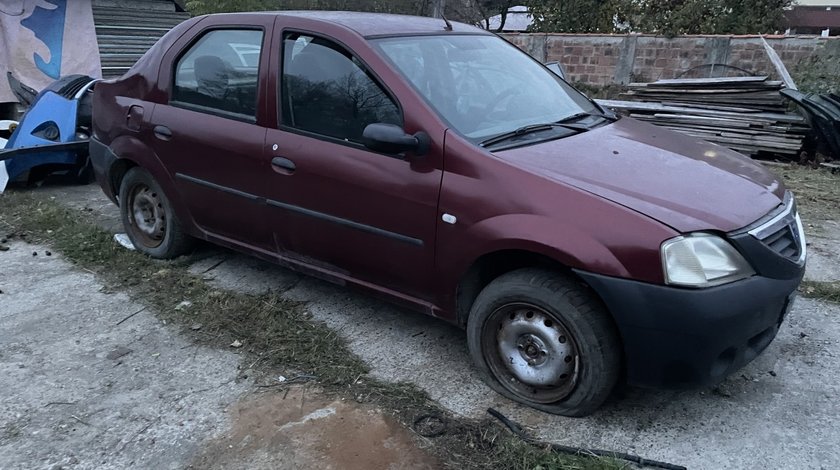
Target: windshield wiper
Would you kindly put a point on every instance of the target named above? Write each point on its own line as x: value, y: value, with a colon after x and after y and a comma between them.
x: 530, y: 129
x: 579, y: 116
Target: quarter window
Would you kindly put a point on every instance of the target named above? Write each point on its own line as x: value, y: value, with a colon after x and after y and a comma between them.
x: 328, y: 91
x: 221, y: 72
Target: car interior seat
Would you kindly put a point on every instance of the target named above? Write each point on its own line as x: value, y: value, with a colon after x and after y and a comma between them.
x: 211, y: 74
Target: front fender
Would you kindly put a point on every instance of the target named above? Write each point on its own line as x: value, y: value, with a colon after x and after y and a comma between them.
x: 543, y: 235
x: 460, y: 247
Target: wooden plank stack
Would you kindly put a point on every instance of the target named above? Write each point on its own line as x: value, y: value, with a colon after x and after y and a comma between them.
x: 747, y: 114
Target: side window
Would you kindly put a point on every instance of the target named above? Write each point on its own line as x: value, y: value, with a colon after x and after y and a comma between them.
x: 329, y: 92
x: 221, y: 72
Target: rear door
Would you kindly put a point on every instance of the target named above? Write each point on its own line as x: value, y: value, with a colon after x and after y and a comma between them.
x: 366, y: 215
x: 210, y: 133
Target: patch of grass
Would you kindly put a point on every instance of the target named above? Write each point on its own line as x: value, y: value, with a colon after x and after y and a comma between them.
x: 275, y: 329
x: 817, y: 190
x: 275, y: 332
x: 821, y: 290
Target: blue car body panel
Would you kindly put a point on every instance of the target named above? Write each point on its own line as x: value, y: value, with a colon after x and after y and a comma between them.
x: 48, y: 107
x: 47, y: 134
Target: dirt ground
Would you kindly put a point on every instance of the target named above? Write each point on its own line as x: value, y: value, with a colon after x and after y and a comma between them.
x: 779, y: 412
x: 91, y: 379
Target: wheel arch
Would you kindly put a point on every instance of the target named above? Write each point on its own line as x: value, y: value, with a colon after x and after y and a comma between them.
x: 131, y: 152
x: 116, y: 174
x: 505, y: 243
x: 490, y: 266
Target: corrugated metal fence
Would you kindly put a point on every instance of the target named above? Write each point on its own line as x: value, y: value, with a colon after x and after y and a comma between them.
x: 125, y: 32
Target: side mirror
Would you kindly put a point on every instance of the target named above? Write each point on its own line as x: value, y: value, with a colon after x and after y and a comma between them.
x: 390, y: 138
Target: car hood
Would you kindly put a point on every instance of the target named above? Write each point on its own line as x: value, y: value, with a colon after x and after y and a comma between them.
x: 685, y: 183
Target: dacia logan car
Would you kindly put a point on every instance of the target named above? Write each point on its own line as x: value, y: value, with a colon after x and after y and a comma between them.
x: 438, y: 166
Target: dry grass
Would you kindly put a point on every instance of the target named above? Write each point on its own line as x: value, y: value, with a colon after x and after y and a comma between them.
x: 275, y: 333
x: 817, y: 191
x: 821, y: 290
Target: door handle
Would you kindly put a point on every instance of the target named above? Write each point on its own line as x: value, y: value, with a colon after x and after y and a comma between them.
x: 163, y: 132
x: 284, y: 164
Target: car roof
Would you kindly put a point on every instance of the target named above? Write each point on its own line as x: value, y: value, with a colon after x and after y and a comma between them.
x: 381, y: 24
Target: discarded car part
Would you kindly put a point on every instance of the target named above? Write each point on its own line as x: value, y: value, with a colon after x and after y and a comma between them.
x: 124, y: 241
x: 823, y: 111
x: 484, y: 184
x: 26, y: 95
x: 6, y: 129
x: 582, y: 451
x: 53, y: 134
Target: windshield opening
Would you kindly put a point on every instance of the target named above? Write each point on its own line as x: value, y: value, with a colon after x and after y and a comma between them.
x: 482, y: 85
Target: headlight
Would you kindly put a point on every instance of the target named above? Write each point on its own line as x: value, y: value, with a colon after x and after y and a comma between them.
x: 702, y: 260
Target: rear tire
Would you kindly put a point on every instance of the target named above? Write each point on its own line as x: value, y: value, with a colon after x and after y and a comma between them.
x: 149, y: 219
x: 540, y: 338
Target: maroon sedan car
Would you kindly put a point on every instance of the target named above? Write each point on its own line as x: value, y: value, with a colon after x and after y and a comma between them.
x: 440, y: 167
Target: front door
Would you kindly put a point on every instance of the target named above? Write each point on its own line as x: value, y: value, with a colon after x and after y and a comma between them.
x: 349, y: 210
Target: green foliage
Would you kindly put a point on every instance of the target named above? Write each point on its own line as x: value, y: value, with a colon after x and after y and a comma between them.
x: 820, y: 72
x: 672, y: 17
x: 575, y: 16
x: 667, y: 17
x: 201, y: 7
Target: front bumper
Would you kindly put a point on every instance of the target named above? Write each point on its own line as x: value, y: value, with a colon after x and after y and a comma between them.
x: 675, y: 337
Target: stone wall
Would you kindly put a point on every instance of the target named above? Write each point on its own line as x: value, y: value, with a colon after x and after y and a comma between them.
x: 621, y: 59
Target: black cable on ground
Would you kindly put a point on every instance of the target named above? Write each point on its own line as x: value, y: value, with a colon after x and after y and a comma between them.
x: 516, y: 429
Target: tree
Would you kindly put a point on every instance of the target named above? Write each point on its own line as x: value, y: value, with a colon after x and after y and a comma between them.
x: 485, y: 9
x: 415, y: 7
x: 468, y: 11
x: 668, y: 17
x: 202, y: 7
x: 575, y: 16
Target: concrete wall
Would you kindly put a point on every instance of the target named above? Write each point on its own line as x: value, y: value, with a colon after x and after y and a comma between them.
x: 621, y: 59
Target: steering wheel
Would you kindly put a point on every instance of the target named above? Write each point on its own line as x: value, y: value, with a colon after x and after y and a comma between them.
x: 502, y: 97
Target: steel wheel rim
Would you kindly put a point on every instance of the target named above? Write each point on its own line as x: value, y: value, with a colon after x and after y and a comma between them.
x: 531, y: 353
x: 147, y: 216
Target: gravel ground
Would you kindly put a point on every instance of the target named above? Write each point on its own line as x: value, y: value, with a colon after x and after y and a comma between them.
x: 778, y: 412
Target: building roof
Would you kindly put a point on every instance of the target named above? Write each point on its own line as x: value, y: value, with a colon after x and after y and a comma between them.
x: 813, y: 17
x: 816, y: 3
x: 518, y: 19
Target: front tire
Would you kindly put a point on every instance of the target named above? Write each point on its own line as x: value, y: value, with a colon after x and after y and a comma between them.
x: 149, y: 219
x: 542, y: 339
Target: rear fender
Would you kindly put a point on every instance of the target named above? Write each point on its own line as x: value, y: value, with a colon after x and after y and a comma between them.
x: 129, y: 147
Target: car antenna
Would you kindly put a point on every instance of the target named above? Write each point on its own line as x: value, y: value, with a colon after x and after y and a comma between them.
x: 448, y: 26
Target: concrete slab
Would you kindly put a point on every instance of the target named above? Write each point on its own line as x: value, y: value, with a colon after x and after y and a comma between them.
x: 786, y: 396
x: 81, y: 390
x: 823, y: 252
x: 779, y: 412
x: 91, y: 379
